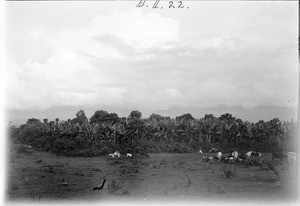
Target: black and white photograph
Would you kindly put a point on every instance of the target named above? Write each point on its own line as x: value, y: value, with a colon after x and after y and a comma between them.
x: 150, y: 101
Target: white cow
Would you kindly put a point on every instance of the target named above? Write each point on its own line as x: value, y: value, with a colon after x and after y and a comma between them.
x: 117, y: 154
x: 111, y: 155
x: 231, y: 159
x: 235, y: 154
x: 248, y: 155
x: 206, y: 159
x: 218, y: 156
x: 129, y: 155
x: 252, y: 154
x: 291, y: 155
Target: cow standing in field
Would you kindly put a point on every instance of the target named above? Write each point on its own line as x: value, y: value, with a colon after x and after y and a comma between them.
x: 218, y: 157
x: 235, y: 154
x: 253, y: 156
x: 116, y: 154
x: 291, y: 156
x: 233, y: 157
x: 206, y: 159
x: 111, y: 155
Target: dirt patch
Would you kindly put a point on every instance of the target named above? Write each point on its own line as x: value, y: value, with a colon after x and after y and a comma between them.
x: 42, y: 176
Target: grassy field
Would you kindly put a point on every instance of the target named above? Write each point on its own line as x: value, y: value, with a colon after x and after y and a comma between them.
x: 40, y: 176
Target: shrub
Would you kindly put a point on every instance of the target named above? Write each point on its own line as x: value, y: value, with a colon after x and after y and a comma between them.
x: 227, y: 172
x: 22, y: 149
x: 114, y: 187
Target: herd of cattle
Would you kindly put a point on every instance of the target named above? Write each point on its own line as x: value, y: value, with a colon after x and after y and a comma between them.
x: 117, y: 154
x: 251, y: 157
x: 215, y: 155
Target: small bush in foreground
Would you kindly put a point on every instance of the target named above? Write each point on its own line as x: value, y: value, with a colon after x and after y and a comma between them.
x: 227, y: 172
x: 114, y: 187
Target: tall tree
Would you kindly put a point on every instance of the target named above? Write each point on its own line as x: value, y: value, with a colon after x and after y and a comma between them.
x: 135, y: 114
x: 103, y: 116
x: 80, y: 117
x: 156, y: 117
x: 33, y: 121
x: 185, y: 117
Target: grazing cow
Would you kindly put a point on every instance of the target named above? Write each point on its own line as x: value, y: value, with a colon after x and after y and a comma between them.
x: 129, y: 155
x: 228, y: 159
x: 253, y: 156
x: 218, y: 156
x: 111, y: 155
x: 231, y: 159
x: 248, y: 155
x: 206, y: 159
x: 240, y: 160
x: 117, y: 154
x: 256, y: 154
x: 235, y: 154
x: 291, y: 155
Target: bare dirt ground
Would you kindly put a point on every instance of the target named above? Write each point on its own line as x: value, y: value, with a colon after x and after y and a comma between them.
x: 40, y: 176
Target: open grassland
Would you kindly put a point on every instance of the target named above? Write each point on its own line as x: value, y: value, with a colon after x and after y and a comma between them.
x: 41, y: 176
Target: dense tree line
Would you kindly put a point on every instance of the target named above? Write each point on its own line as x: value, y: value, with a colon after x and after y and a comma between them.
x: 105, y: 132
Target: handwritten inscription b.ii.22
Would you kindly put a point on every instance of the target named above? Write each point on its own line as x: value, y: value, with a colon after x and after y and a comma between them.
x: 160, y: 5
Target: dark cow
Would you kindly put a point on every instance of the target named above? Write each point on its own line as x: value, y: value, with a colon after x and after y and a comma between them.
x: 253, y: 156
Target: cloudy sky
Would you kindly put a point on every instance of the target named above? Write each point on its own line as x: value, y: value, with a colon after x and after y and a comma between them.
x: 112, y: 53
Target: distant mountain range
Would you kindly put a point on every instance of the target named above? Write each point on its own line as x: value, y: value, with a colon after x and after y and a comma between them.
x: 69, y: 112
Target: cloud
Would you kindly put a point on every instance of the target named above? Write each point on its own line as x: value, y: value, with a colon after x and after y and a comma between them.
x: 137, y: 59
x: 81, y: 68
x: 143, y: 30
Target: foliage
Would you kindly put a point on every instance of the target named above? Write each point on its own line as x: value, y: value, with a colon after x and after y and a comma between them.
x: 33, y: 121
x: 20, y: 148
x: 185, y: 117
x: 80, y: 117
x: 101, y: 116
x: 106, y: 132
x: 135, y: 114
